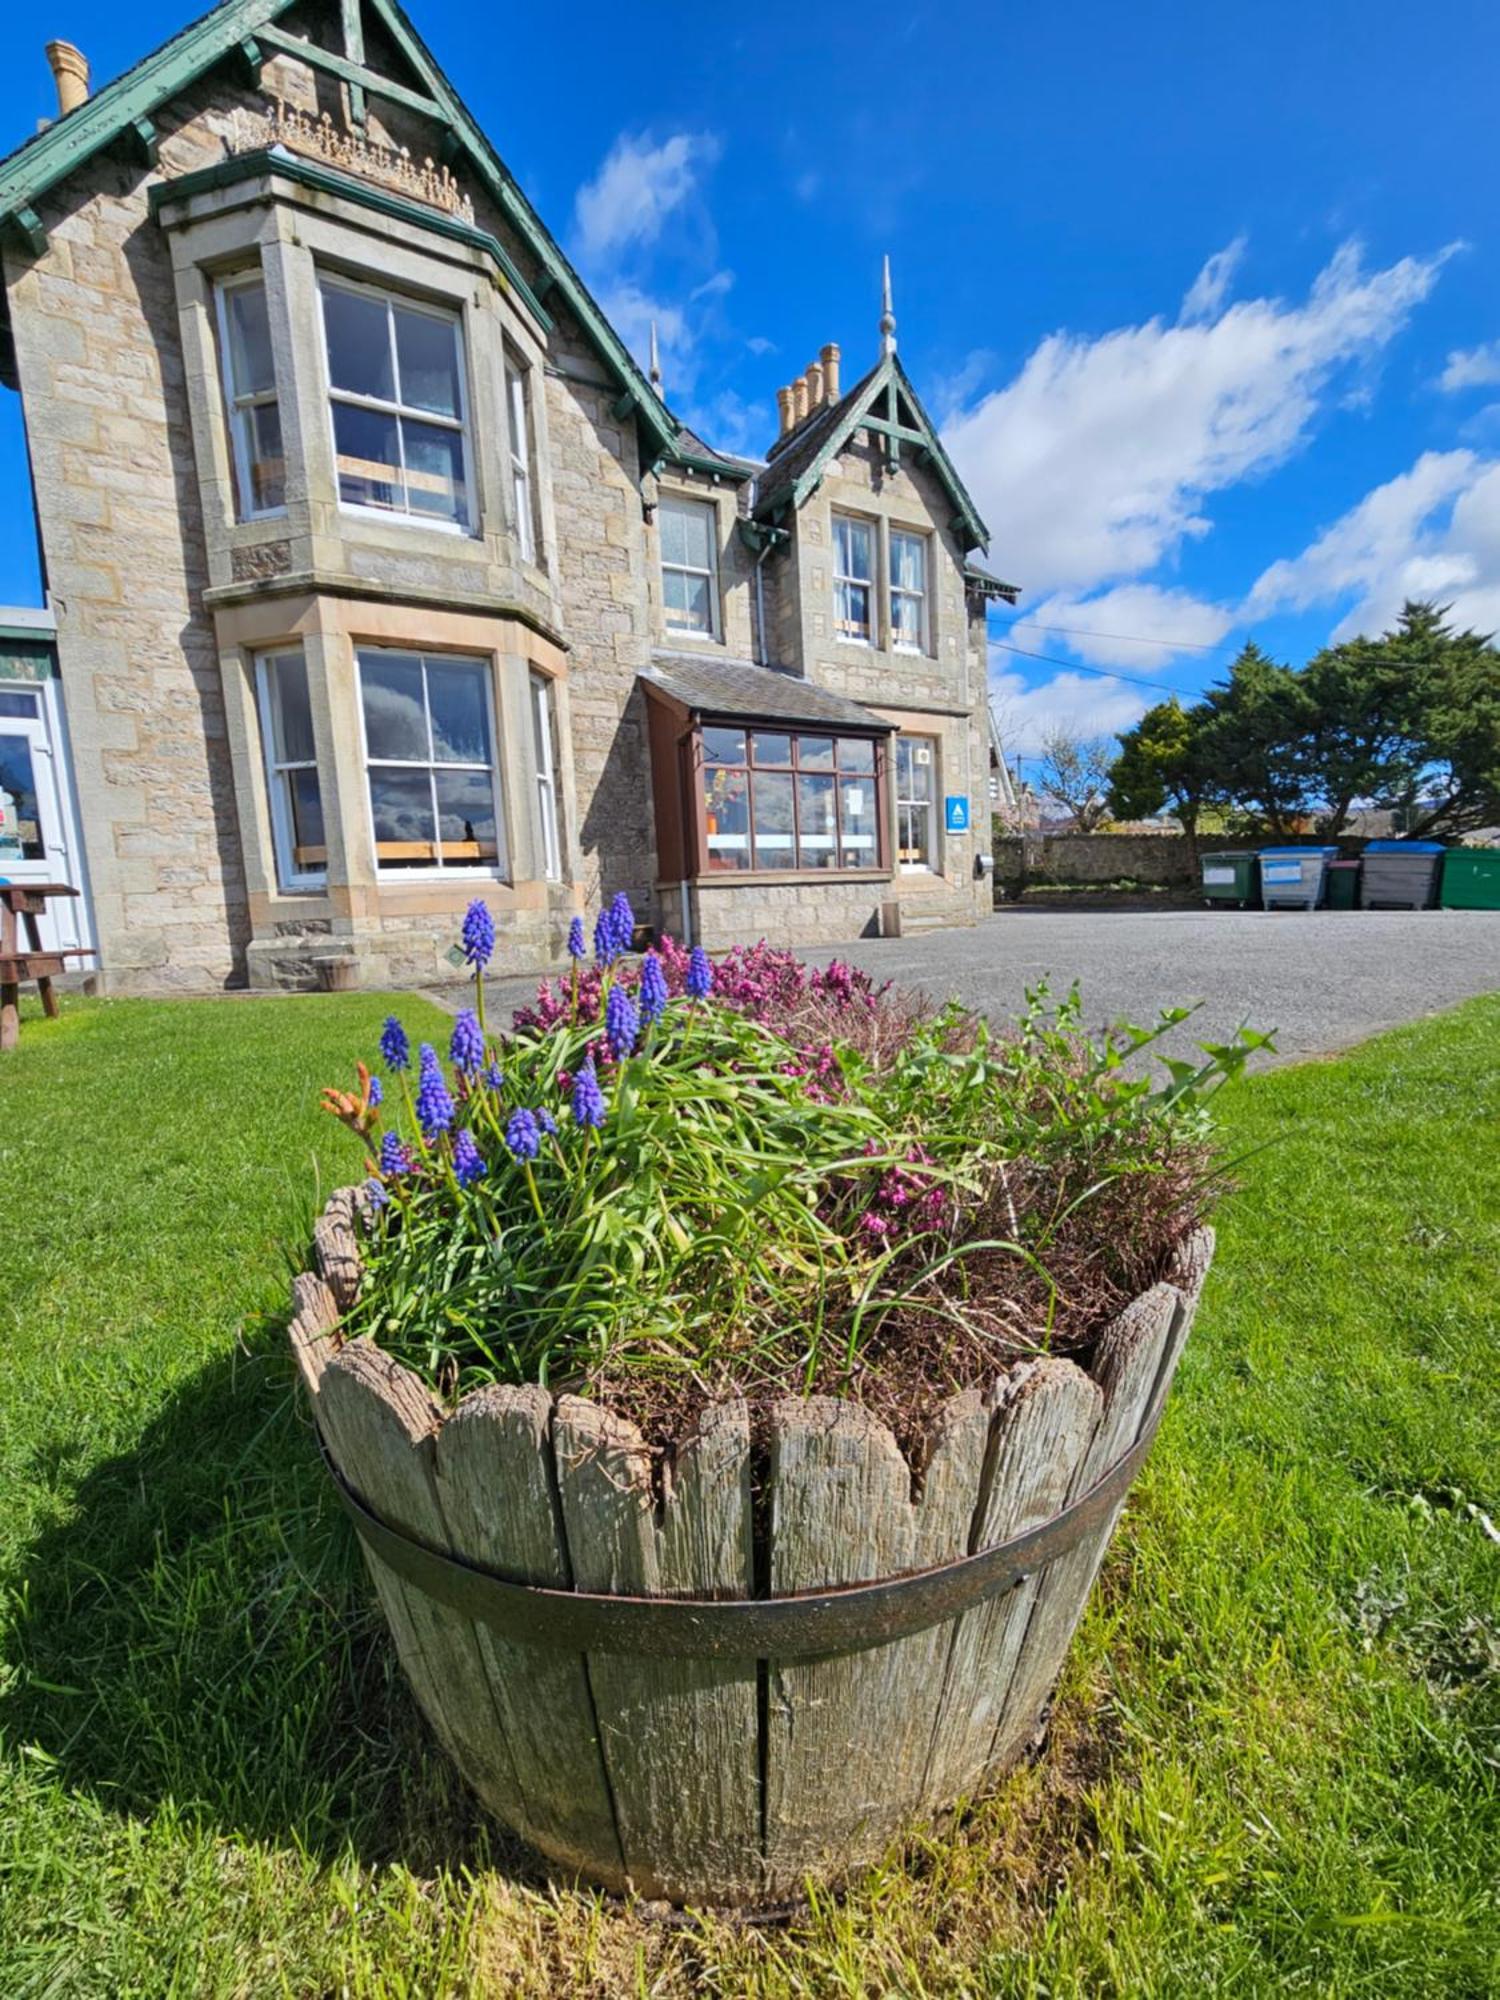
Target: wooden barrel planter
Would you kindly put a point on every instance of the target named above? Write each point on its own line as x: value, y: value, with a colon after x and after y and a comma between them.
x: 675, y: 1692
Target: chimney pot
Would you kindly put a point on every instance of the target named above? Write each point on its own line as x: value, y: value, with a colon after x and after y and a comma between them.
x: 814, y: 385
x: 784, y: 403
x: 799, y: 397
x: 70, y: 73
x: 831, y: 371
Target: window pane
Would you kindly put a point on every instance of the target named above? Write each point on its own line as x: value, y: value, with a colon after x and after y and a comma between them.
x: 369, y: 456
x: 817, y: 810
x: 852, y: 547
x: 908, y: 562
x: 395, y: 720
x: 460, y: 723
x: 306, y: 804
x: 815, y: 753
x: 434, y: 470
x: 775, y: 843
x: 858, y: 846
x: 687, y: 601
x: 291, y: 711
x: 401, y: 802
x: 727, y: 812
x: 250, y: 367
x: 853, y: 615
x: 856, y: 753
x: 466, y: 816
x: 906, y: 621
x: 427, y: 355
x: 359, y: 343
x: 687, y: 534
x: 515, y: 388
x: 267, y: 460
x: 22, y: 838
x: 723, y: 746
x: 769, y: 749
x: 16, y: 702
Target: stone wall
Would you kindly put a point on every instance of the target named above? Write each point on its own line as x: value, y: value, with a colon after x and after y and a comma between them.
x: 788, y: 913
x: 1036, y: 859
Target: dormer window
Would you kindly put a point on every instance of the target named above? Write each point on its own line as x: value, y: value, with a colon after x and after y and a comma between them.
x: 853, y: 578
x: 396, y: 389
x: 689, y: 566
x: 250, y: 391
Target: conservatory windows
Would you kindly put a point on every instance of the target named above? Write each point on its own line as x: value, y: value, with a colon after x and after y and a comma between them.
x: 777, y: 800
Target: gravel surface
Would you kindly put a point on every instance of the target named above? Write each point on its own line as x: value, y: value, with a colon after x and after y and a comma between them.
x: 1321, y: 980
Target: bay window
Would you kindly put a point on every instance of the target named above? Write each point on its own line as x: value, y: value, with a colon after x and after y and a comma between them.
x: 291, y: 771
x: 777, y: 799
x: 853, y: 578
x: 689, y: 566
x: 398, y: 409
x: 250, y: 393
x: 430, y: 761
x: 544, y: 748
x: 916, y: 802
x: 908, y: 591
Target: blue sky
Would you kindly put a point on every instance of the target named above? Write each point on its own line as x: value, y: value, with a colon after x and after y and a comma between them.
x: 1208, y: 305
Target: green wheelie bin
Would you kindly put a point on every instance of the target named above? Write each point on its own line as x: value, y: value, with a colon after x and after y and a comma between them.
x: 1471, y: 879
x: 1233, y: 879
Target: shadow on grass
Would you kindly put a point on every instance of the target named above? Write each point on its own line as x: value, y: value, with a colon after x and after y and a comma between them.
x: 199, y: 1632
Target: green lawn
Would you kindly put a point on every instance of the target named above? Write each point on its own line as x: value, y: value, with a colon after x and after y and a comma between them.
x: 1278, y: 1752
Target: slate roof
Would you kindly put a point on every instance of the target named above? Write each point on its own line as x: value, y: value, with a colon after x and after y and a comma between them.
x: 711, y: 685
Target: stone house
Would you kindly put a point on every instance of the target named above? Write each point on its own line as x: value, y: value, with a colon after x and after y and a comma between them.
x: 382, y: 576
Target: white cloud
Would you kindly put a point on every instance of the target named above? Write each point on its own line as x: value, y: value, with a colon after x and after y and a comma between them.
x: 1431, y: 532
x: 1471, y: 368
x: 639, y: 185
x: 1207, y: 292
x: 1093, y: 464
x: 1082, y: 704
x: 1143, y: 624
x: 632, y: 310
x: 731, y: 424
x: 715, y: 287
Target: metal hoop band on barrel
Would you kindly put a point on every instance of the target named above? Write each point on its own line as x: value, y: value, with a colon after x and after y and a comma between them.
x: 805, y: 1625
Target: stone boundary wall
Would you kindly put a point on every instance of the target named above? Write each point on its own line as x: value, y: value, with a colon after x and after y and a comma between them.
x: 1036, y: 859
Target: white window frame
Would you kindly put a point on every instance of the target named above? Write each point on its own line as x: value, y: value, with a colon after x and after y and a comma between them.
x: 845, y: 580
x: 334, y: 281
x: 289, y: 876
x: 237, y: 405
x: 932, y: 865
x: 497, y: 870
x: 543, y: 732
x: 922, y: 597
x: 518, y: 421
x: 688, y: 504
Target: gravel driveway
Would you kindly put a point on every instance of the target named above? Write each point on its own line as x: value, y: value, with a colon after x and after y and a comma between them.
x: 1321, y: 980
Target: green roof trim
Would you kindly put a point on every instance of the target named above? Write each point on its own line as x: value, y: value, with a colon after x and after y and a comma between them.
x: 775, y: 496
x: 244, y: 30
x: 348, y: 187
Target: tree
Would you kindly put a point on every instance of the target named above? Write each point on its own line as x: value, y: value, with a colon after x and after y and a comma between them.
x: 1361, y: 743
x: 1074, y: 774
x: 1454, y: 682
x: 1253, y: 734
x: 1160, y: 768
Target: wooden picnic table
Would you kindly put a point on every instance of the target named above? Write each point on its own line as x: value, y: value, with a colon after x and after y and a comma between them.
x: 27, y: 901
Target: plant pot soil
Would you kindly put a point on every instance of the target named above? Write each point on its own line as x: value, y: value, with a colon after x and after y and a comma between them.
x: 713, y: 1780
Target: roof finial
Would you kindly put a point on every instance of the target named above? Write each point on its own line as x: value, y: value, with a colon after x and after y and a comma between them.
x: 887, y: 313
x: 655, y: 361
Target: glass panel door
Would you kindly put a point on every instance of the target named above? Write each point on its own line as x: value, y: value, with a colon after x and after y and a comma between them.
x: 33, y: 839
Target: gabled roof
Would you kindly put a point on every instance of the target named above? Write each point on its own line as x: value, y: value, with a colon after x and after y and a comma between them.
x: 797, y: 463
x: 245, y: 31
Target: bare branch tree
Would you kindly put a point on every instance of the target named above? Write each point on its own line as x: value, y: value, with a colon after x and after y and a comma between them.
x: 1074, y: 774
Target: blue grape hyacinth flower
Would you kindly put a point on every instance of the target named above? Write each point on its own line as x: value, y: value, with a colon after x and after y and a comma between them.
x: 468, y: 1161
x: 434, y: 1099
x: 547, y: 1122
x: 376, y: 1197
x: 622, y: 922
x: 576, y: 945
x: 700, y: 974
x: 622, y: 1022
x: 395, y: 1156
x: 466, y: 1049
x: 523, y: 1134
x: 395, y: 1049
x: 606, y: 951
x: 654, y: 995
x: 588, y: 1098
x: 376, y: 1093
x: 494, y: 1076
x: 478, y: 933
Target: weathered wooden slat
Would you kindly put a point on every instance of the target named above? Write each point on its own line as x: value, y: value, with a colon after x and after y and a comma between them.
x: 1045, y: 1413
x: 336, y: 1246
x: 1132, y: 1352
x: 499, y: 1498
x: 847, y: 1738
x: 315, y: 1314
x: 679, y: 1736
x: 380, y: 1422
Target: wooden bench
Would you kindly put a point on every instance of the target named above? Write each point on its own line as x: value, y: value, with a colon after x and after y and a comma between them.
x: 27, y: 900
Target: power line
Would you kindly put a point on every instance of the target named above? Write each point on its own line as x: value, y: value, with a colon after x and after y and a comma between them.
x: 1076, y: 667
x: 1128, y: 638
